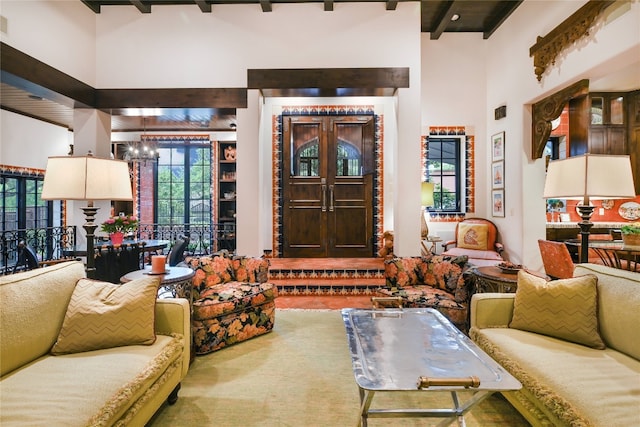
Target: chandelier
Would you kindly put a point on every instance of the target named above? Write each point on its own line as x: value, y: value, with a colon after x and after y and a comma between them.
x: 143, y: 150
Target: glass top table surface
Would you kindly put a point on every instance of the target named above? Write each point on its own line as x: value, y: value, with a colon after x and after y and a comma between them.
x: 392, y: 348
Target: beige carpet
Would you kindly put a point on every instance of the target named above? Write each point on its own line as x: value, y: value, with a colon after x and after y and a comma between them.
x: 298, y: 375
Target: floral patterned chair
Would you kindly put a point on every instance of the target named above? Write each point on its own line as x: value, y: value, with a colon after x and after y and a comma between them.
x: 432, y: 281
x: 232, y: 300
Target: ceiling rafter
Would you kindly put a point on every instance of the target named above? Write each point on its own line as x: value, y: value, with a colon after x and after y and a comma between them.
x: 445, y: 17
x: 391, y: 5
x: 266, y: 5
x: 502, y: 12
x: 143, y: 8
x: 328, y: 5
x: 204, y: 6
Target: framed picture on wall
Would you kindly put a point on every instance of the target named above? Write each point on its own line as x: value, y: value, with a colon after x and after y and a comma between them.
x: 497, y: 146
x: 497, y: 174
x: 497, y: 203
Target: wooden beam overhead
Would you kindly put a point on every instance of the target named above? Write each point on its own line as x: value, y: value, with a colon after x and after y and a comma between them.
x: 92, y: 5
x: 36, y: 76
x: 391, y: 5
x: 443, y: 20
x: 204, y: 6
x: 143, y: 8
x: 328, y: 5
x: 266, y: 5
x: 328, y: 78
x: 107, y: 99
x: 507, y: 10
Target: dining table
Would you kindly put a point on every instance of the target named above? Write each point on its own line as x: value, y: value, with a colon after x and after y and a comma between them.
x: 145, y: 245
x: 614, y: 253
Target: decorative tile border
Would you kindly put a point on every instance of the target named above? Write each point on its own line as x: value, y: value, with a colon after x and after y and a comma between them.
x: 470, y: 183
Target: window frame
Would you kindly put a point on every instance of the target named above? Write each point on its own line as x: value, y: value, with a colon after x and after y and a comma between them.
x: 461, y: 174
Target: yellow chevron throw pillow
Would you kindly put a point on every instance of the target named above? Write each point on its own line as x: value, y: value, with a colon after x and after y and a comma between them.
x: 565, y: 309
x: 104, y: 315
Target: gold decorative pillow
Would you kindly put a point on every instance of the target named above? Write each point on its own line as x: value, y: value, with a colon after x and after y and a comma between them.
x: 104, y: 315
x: 472, y: 236
x: 565, y: 309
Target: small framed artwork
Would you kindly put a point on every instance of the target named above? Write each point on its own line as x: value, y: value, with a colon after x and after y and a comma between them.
x: 497, y: 172
x: 497, y: 146
x: 497, y: 203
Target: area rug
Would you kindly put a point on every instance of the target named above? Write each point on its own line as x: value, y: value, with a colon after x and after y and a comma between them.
x: 298, y: 375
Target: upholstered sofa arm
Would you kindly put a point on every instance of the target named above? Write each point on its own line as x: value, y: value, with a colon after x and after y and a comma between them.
x: 250, y: 269
x: 173, y: 316
x: 491, y: 310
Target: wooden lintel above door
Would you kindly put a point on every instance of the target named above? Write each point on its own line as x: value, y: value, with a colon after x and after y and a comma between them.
x: 317, y: 82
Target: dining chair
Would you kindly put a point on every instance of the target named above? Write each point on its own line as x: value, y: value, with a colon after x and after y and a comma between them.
x: 556, y: 259
x: 176, y: 254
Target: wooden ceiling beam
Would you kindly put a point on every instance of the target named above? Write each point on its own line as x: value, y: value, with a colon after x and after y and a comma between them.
x: 143, y: 8
x: 391, y: 5
x: 95, y: 6
x: 107, y: 99
x: 443, y: 20
x: 328, y: 78
x: 204, y: 6
x: 503, y: 10
x: 328, y: 5
x: 266, y: 5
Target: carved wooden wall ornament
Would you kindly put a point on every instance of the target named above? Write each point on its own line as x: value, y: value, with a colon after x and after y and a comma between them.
x: 549, y: 109
x: 547, y: 48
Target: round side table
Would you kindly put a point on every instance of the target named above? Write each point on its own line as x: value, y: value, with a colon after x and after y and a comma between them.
x: 175, y: 283
x: 492, y: 279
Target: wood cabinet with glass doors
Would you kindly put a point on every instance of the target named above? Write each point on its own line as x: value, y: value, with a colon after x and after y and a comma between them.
x: 226, y: 235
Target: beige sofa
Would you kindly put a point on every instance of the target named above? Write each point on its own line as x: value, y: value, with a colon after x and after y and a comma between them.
x: 565, y: 383
x: 113, y: 386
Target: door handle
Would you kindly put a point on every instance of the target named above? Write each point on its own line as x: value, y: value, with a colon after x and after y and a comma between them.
x: 324, y: 197
x: 331, y: 198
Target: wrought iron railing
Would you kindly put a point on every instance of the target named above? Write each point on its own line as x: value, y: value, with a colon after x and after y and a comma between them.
x: 49, y: 243
x: 203, y: 238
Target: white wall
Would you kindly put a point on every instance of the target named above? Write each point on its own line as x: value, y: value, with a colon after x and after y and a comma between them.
x: 511, y: 81
x: 27, y: 142
x: 454, y: 94
x: 60, y: 33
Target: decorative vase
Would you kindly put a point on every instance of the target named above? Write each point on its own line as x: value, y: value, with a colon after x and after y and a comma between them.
x: 631, y: 239
x: 116, y: 238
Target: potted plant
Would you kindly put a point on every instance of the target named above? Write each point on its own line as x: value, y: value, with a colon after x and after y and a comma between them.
x: 118, y: 226
x: 631, y: 234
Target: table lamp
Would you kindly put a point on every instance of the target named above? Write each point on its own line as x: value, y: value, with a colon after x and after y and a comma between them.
x: 86, y: 178
x: 586, y: 177
x: 426, y: 201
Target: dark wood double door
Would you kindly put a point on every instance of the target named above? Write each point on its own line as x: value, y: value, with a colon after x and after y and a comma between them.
x: 328, y: 171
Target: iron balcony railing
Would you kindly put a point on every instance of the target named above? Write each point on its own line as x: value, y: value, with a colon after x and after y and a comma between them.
x: 49, y: 243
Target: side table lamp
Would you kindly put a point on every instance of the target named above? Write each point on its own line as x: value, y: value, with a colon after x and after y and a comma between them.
x: 586, y: 177
x: 426, y: 196
x: 86, y: 178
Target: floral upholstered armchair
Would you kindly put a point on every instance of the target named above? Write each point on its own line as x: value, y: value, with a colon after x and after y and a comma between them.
x: 432, y: 281
x: 232, y: 300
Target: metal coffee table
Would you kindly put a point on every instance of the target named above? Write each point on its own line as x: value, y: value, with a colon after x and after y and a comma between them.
x: 418, y: 349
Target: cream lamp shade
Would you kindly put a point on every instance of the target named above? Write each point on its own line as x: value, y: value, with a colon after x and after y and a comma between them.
x: 591, y: 176
x: 86, y: 178
x: 426, y: 199
x: 427, y: 194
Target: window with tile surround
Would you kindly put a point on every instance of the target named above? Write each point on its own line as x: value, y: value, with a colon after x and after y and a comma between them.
x: 446, y: 168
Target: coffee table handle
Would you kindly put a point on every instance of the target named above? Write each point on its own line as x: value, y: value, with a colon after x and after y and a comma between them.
x: 466, y: 382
